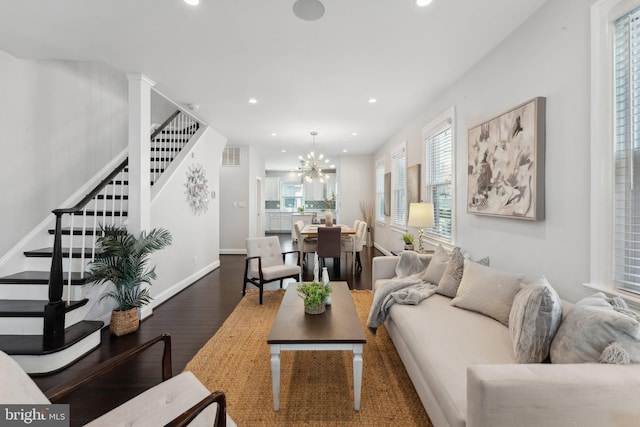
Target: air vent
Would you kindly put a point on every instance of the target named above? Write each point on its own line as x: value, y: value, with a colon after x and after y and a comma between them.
x: 231, y: 156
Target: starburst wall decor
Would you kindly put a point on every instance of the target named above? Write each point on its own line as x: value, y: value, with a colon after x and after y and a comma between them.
x: 197, y: 189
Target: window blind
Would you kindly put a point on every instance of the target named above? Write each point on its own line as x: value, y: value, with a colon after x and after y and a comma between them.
x: 399, y: 183
x: 627, y: 152
x: 438, y: 179
x: 380, y: 191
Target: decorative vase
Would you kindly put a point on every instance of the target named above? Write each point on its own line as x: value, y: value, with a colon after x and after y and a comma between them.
x: 124, y: 322
x: 328, y: 220
x: 408, y: 247
x: 318, y: 309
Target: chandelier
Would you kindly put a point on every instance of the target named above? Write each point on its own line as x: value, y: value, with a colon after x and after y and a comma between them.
x: 310, y: 167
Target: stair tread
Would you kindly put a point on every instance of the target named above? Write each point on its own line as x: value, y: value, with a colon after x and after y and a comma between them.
x: 31, y: 277
x: 108, y: 213
x: 77, y: 231
x: 32, y: 345
x: 32, y: 308
x: 48, y: 252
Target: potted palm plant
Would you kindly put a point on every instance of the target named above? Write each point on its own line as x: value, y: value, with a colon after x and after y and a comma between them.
x: 123, y: 260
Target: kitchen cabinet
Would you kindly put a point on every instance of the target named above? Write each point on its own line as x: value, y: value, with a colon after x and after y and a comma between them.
x: 272, y: 188
x: 279, y: 221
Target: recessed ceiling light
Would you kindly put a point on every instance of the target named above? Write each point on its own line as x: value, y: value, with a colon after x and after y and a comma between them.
x: 354, y: 134
x: 274, y: 134
x: 422, y: 3
x: 345, y: 150
x: 253, y: 101
x: 192, y: 2
x: 284, y: 151
x: 372, y: 100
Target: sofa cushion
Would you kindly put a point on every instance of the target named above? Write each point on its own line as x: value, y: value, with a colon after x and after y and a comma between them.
x: 450, y: 280
x: 487, y: 291
x: 436, y: 267
x: 535, y: 316
x: 591, y: 326
x: 444, y: 340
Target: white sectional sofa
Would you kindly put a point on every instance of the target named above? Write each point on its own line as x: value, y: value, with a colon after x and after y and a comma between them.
x: 466, y: 373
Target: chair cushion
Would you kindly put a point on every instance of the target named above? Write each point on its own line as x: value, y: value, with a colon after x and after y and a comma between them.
x: 268, y: 248
x: 275, y: 272
x: 16, y: 386
x: 158, y: 405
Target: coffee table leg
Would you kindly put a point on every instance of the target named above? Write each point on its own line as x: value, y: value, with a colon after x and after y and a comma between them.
x: 275, y: 375
x: 357, y: 375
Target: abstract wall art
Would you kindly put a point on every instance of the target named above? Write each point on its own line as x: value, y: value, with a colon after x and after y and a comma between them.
x: 506, y: 163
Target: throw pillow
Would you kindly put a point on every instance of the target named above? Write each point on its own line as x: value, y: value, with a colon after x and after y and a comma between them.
x: 535, y: 316
x: 591, y: 326
x: 411, y: 263
x: 450, y: 280
x: 436, y: 267
x: 487, y: 291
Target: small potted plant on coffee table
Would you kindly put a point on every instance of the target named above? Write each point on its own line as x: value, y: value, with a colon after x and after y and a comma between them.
x: 408, y: 241
x: 315, y: 296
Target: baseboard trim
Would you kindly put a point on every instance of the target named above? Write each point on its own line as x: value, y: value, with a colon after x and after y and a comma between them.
x: 233, y: 251
x: 185, y: 283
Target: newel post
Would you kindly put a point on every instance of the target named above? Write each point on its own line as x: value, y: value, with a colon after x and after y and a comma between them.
x: 53, y: 334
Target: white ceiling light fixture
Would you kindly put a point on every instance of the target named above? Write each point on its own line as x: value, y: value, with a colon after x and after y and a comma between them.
x: 253, y: 101
x: 192, y: 2
x: 310, y: 167
x: 372, y: 100
x: 308, y: 10
x: 423, y: 3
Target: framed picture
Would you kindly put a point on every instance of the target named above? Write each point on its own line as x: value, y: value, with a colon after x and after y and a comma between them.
x: 506, y: 164
x: 413, y: 184
x: 387, y: 194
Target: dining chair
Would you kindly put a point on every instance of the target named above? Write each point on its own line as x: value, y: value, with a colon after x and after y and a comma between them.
x: 360, y: 236
x: 265, y: 263
x: 305, y: 244
x: 329, y: 245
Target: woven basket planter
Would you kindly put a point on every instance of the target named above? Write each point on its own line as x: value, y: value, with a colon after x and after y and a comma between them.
x: 124, y: 322
x: 318, y: 309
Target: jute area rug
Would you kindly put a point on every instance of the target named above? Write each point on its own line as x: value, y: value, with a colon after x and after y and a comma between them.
x: 316, y: 387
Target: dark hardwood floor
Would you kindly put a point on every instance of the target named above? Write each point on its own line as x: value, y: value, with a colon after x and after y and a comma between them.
x: 191, y: 317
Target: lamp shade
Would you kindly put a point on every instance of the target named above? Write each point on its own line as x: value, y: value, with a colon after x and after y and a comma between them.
x: 421, y: 215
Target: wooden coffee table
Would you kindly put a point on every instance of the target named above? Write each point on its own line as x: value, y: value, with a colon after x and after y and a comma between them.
x: 339, y: 328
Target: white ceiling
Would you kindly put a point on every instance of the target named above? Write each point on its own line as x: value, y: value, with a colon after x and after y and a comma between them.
x: 306, y: 75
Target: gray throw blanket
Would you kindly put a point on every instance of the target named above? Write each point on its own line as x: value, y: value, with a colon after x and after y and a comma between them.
x: 408, y: 288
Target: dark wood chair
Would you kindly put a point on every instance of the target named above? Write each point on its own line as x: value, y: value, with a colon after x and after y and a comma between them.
x: 156, y: 406
x: 266, y: 263
x: 329, y: 245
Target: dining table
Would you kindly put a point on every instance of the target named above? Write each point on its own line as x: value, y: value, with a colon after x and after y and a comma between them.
x: 311, y: 230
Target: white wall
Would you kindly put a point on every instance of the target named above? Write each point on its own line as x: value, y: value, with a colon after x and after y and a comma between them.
x: 61, y: 121
x: 234, y: 204
x: 547, y: 56
x: 356, y: 183
x: 195, y: 250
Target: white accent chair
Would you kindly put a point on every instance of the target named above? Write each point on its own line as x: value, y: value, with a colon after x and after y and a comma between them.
x: 361, y: 235
x: 266, y: 263
x: 177, y: 401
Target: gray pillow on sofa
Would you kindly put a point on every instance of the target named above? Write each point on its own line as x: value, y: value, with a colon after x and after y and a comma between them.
x: 437, y: 265
x: 535, y: 316
x: 450, y: 280
x: 593, y: 324
x: 487, y: 291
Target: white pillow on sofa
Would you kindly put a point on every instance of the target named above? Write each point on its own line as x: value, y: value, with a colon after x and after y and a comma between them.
x: 535, y: 316
x: 487, y: 291
x: 437, y: 265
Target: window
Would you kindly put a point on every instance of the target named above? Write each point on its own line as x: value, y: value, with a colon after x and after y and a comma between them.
x: 438, y: 139
x: 615, y: 147
x: 626, y: 151
x: 292, y: 196
x: 380, y: 190
x: 399, y: 178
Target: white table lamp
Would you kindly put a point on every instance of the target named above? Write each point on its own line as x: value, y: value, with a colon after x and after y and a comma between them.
x: 421, y: 216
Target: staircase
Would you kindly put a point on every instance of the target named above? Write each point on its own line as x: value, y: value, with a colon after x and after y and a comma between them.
x: 47, y: 312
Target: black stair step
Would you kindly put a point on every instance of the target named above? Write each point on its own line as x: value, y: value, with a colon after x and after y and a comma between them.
x: 32, y: 308
x: 119, y: 182
x: 107, y: 213
x: 157, y: 170
x: 48, y: 253
x: 32, y: 345
x: 165, y: 149
x: 111, y: 197
x: 77, y: 231
x: 37, y: 278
